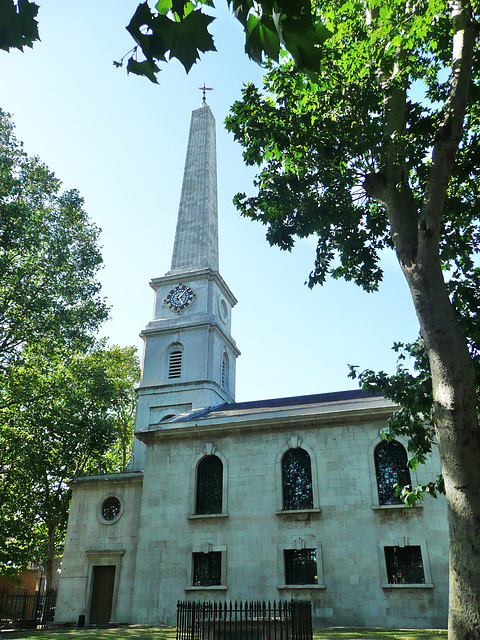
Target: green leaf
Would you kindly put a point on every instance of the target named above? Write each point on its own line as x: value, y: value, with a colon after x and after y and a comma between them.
x: 18, y: 27
x: 163, y: 6
x: 190, y: 36
x: 144, y: 68
x: 261, y: 39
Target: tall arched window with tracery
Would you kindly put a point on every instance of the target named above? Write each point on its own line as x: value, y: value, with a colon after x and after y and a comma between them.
x: 297, y: 480
x: 209, y: 489
x: 391, y: 469
x: 175, y: 361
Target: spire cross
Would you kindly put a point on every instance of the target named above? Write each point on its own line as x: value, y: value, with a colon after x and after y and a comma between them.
x: 205, y: 89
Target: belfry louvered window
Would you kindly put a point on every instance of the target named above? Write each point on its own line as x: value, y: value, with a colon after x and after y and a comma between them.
x: 175, y: 363
x: 391, y: 468
x: 209, y: 486
x: 297, y: 480
x: 225, y: 371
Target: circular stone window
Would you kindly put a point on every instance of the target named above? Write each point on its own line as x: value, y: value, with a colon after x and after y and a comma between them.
x: 111, y: 510
x: 223, y: 309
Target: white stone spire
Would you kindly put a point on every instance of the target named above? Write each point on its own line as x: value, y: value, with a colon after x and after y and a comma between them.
x: 189, y: 359
x: 196, y: 237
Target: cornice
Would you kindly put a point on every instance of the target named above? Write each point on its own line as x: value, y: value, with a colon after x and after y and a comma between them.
x: 109, y: 478
x: 178, y: 325
x: 173, y: 277
x: 265, y: 423
x: 187, y: 385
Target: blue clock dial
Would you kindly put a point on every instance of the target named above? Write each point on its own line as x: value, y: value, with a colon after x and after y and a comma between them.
x: 179, y: 298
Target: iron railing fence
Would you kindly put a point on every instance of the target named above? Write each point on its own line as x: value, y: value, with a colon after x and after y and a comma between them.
x: 22, y: 611
x: 282, y: 620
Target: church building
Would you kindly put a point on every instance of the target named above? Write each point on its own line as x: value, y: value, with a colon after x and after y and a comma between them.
x: 286, y: 498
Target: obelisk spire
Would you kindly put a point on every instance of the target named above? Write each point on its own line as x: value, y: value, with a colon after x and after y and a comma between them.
x: 196, y: 237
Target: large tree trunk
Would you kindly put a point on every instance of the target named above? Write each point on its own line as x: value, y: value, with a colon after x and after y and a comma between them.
x: 416, y: 236
x: 458, y: 436
x: 456, y: 425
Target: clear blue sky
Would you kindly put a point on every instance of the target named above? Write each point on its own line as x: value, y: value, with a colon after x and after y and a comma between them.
x: 121, y: 141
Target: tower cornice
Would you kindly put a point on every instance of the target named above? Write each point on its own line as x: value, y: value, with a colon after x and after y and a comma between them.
x: 159, y: 327
x: 192, y: 275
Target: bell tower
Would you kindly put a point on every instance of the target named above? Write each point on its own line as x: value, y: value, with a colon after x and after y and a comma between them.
x: 189, y: 355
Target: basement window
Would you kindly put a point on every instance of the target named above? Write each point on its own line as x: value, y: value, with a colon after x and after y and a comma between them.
x: 207, y: 569
x: 404, y: 565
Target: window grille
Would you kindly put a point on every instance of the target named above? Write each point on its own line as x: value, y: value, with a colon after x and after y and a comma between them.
x: 404, y: 565
x: 207, y: 569
x: 111, y: 508
x: 297, y: 480
x: 209, y: 485
x: 175, y: 364
x: 300, y: 566
x: 391, y: 468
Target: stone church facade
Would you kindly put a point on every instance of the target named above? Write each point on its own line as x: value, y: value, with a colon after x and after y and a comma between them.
x: 273, y: 499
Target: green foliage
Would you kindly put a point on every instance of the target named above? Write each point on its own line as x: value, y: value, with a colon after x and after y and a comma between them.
x: 319, y: 141
x: 179, y: 29
x: 49, y: 257
x: 62, y: 414
x: 18, y: 27
x: 123, y: 368
x: 66, y: 401
x: 313, y: 145
x: 338, y: 149
x: 412, y: 391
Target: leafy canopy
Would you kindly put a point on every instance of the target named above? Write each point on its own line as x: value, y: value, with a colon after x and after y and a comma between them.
x: 49, y: 257
x: 62, y: 413
x: 179, y: 29
x: 66, y: 401
x: 326, y: 145
x: 319, y: 141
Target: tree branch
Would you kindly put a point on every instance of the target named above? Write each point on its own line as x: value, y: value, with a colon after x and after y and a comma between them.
x: 449, y: 132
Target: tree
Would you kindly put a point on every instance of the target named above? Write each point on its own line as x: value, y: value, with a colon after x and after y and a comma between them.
x: 49, y: 257
x: 123, y: 367
x: 353, y: 155
x: 66, y: 402
x: 380, y: 150
x: 64, y: 414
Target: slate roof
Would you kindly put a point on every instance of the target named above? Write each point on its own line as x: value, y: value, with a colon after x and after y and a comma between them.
x: 257, y: 406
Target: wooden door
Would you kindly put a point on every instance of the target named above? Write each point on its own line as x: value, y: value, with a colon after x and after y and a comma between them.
x: 102, y: 594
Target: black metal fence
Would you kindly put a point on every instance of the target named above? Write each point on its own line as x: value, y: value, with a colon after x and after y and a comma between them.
x: 26, y: 611
x: 283, y: 620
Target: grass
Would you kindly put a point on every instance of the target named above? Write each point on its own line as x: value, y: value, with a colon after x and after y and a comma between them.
x: 168, y: 633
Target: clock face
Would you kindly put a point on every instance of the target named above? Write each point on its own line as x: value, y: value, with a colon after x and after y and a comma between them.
x: 179, y: 298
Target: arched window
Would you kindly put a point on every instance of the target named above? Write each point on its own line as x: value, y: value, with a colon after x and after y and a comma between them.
x: 209, y: 485
x: 391, y: 468
x: 225, y: 371
x: 297, y: 480
x: 175, y: 361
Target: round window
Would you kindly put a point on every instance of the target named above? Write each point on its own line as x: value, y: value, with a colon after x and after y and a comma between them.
x: 111, y: 508
x: 223, y: 309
